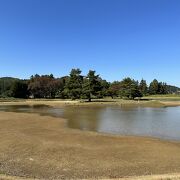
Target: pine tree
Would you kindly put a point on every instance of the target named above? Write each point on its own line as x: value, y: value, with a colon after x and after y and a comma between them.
x: 143, y: 87
x: 129, y: 88
x: 91, y: 85
x: 154, y: 87
x: 74, y: 84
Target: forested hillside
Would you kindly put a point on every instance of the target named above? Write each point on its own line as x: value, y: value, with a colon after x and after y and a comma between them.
x: 5, y: 86
x: 172, y: 89
x: 78, y: 86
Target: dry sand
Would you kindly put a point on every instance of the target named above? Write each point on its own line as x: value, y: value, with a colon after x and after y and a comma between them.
x: 35, y: 146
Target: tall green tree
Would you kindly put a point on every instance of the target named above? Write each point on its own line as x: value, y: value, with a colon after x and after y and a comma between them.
x: 61, y: 82
x: 162, y: 88
x: 19, y: 89
x: 91, y: 85
x: 5, y: 86
x: 114, y: 89
x: 154, y: 87
x: 73, y: 86
x: 129, y: 88
x: 105, y: 87
x: 143, y: 87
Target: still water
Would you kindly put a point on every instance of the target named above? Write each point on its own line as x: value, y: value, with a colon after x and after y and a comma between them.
x: 162, y: 123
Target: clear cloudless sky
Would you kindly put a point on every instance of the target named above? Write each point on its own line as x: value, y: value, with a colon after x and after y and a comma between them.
x: 117, y: 38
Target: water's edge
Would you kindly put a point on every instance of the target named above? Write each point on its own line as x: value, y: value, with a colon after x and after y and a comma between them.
x: 160, y: 123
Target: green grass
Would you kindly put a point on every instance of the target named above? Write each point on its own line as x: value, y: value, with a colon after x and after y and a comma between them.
x: 2, y: 173
x: 167, y: 97
x: 9, y: 99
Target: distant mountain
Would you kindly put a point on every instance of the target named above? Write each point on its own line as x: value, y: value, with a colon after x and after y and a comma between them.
x: 5, y: 85
x: 172, y: 89
x: 8, y: 79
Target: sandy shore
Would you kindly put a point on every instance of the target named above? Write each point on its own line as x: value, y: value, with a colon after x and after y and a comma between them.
x: 151, y: 177
x: 41, y: 147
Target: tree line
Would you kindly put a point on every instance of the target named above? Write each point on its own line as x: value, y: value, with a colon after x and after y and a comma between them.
x: 77, y: 86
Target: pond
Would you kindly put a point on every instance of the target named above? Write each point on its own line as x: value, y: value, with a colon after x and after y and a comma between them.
x: 162, y: 123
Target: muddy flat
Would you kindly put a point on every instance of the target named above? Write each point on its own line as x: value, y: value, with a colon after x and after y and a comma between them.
x: 35, y: 146
x: 99, y: 102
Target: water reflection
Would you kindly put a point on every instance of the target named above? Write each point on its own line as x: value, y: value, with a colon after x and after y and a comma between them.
x: 155, y: 122
x: 83, y: 118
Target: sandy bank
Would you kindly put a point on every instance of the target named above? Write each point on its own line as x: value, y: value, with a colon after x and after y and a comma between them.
x: 41, y: 147
x: 117, y: 102
x: 151, y: 177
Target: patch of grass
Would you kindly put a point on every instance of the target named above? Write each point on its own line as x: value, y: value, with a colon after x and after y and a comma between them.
x: 2, y: 173
x: 168, y: 97
x: 11, y: 100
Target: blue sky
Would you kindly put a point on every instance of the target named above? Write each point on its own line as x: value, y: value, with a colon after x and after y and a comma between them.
x: 117, y: 38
